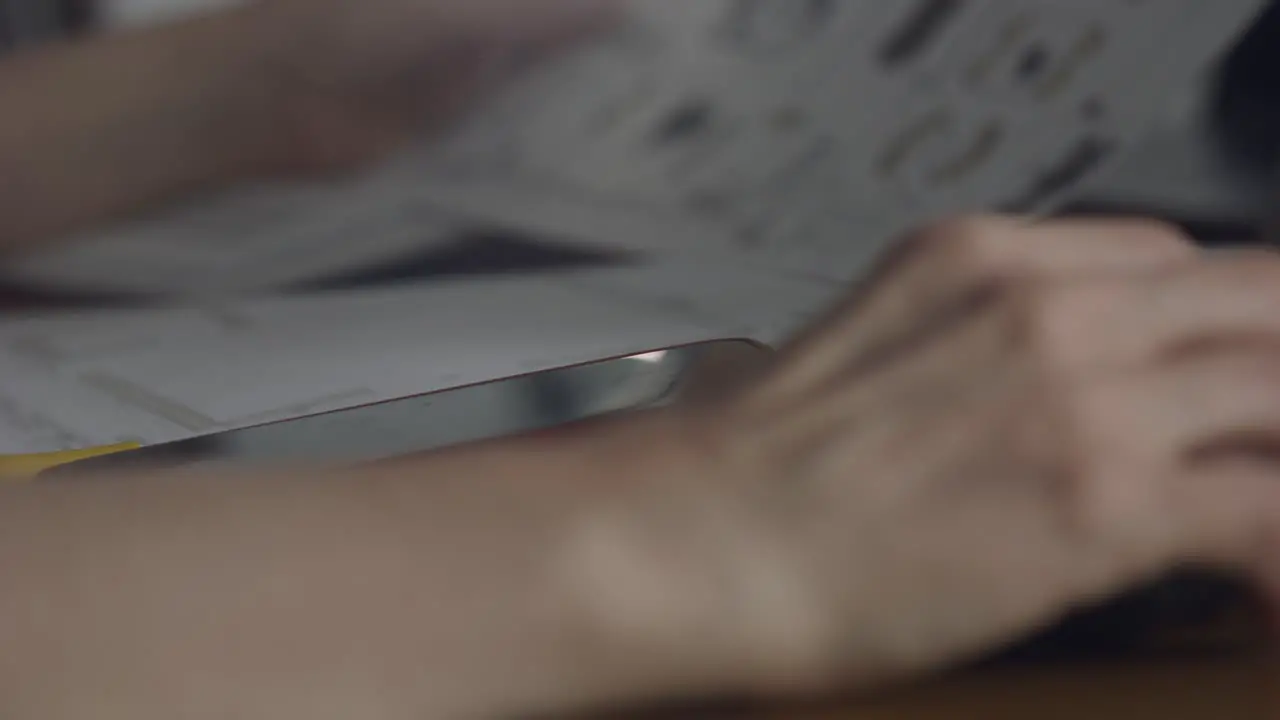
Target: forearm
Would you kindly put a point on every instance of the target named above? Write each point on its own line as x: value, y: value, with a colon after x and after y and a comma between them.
x: 96, y: 129
x: 447, y: 585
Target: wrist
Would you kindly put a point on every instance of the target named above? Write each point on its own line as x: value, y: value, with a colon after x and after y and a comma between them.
x: 676, y: 563
x: 607, y: 556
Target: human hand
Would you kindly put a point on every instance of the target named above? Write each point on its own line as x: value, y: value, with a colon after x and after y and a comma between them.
x: 365, y: 75
x: 1012, y: 420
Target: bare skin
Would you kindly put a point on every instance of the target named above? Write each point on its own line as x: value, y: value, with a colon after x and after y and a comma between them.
x: 1008, y: 420
x: 99, y: 129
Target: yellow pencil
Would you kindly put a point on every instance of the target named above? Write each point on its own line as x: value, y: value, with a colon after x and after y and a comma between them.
x: 24, y: 468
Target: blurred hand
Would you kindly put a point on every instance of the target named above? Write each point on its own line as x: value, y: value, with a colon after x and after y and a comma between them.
x: 1011, y: 420
x: 366, y: 74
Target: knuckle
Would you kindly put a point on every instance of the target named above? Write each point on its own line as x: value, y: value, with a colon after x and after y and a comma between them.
x: 1256, y: 269
x: 1249, y: 377
x: 1159, y: 235
x: 969, y: 241
x: 1106, y: 494
x: 1055, y: 320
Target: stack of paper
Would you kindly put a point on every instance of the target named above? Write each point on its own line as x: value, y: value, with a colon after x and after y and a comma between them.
x: 761, y: 151
x: 70, y: 381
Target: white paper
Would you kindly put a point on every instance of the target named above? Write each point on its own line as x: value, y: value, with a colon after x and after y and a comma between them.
x: 164, y: 375
x: 250, y: 239
x: 122, y: 14
x: 807, y: 153
x: 743, y: 302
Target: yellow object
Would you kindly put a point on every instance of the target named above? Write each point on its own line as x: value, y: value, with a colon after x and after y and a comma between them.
x: 22, y: 468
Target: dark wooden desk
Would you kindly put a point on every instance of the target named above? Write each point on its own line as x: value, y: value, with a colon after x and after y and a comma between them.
x: 1237, y: 689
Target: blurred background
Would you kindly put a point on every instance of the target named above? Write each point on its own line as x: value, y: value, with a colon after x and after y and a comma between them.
x: 1213, y: 160
x: 1210, y: 165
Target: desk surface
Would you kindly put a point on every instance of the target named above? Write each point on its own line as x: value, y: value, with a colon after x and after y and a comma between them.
x: 1241, y: 689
